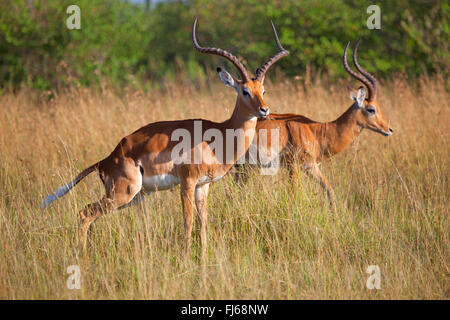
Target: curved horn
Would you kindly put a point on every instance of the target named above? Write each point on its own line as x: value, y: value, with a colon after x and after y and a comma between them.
x: 261, y: 71
x: 220, y: 52
x: 356, y: 75
x: 370, y: 77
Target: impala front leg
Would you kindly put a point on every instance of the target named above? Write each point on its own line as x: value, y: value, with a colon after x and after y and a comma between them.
x: 315, y: 172
x: 187, y: 200
x: 288, y: 161
x: 241, y: 173
x: 201, y: 201
x: 293, y: 175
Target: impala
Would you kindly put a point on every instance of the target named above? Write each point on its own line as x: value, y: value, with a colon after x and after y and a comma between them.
x: 307, y: 142
x: 143, y: 161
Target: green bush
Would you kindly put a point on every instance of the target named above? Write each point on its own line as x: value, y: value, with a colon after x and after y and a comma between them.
x: 120, y: 41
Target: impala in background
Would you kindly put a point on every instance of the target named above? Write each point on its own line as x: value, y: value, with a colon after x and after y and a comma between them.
x: 306, y: 143
x: 143, y: 162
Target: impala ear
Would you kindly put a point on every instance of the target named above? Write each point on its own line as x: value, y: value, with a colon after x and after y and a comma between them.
x: 227, y: 78
x: 358, y: 96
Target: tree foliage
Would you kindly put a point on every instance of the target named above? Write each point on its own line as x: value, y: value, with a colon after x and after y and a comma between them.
x: 121, y: 41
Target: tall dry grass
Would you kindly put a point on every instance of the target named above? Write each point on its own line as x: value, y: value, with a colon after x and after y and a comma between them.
x: 264, y: 241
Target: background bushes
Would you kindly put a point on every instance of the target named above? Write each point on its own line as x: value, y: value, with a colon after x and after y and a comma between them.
x: 124, y: 43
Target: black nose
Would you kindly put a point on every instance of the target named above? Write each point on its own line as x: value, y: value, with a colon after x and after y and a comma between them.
x: 263, y: 110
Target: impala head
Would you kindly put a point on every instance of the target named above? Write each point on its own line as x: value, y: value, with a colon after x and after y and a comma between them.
x: 368, y: 111
x: 250, y: 90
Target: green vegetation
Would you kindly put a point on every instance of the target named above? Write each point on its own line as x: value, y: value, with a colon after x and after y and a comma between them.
x: 123, y: 43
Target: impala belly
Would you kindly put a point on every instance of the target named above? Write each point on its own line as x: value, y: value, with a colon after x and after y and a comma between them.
x: 158, y: 171
x: 160, y: 182
x: 207, y: 179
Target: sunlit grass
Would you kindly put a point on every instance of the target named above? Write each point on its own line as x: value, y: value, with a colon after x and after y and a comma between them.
x: 265, y: 241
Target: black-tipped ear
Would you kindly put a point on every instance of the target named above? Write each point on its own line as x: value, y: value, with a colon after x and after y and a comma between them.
x: 359, y: 96
x: 227, y: 78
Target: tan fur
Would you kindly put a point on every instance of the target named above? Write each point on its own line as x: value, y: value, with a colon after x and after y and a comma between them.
x: 146, y: 154
x: 148, y: 150
x: 305, y: 143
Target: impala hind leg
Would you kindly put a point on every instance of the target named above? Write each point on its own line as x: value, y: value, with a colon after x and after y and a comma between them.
x: 119, y: 192
x: 201, y: 201
x: 315, y: 172
x: 91, y: 213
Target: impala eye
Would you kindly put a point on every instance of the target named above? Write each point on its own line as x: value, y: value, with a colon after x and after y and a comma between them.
x: 245, y: 92
x: 371, y: 110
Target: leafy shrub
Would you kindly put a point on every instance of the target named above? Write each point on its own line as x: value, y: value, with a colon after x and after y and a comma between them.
x: 120, y: 40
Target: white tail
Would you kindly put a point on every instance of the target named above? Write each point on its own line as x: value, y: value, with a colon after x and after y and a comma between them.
x: 65, y: 189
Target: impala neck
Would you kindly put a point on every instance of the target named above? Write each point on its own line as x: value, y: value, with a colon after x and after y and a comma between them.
x: 240, y: 115
x: 241, y: 119
x: 343, y: 130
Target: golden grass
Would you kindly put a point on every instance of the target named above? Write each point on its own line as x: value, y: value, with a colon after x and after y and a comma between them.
x: 264, y: 242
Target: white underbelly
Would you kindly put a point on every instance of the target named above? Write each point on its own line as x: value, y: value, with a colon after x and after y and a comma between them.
x: 160, y: 182
x: 207, y: 179
x: 168, y: 181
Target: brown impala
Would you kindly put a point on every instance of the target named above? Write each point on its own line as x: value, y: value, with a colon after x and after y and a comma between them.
x: 144, y: 161
x: 307, y: 142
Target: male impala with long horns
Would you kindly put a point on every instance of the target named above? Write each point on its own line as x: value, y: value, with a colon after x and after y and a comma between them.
x: 307, y: 142
x: 144, y: 161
